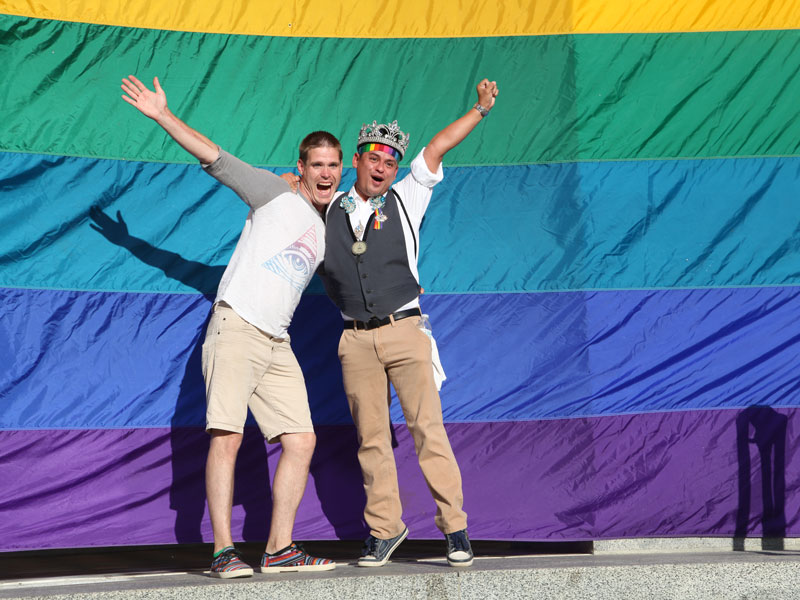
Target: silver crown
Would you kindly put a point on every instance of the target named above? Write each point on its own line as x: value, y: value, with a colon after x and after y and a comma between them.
x: 384, y: 134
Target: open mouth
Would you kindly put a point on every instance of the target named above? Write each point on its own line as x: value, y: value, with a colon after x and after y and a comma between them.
x: 324, y: 187
x: 376, y: 179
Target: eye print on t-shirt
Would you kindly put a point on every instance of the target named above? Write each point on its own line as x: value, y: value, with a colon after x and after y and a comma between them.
x: 295, y: 263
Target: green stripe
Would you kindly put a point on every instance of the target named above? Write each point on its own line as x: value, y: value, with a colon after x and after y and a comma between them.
x: 563, y: 98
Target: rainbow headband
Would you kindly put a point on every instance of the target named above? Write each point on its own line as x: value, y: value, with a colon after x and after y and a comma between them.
x: 380, y: 147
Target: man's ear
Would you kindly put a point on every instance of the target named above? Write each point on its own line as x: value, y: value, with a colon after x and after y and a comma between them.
x: 355, y: 159
x: 301, y: 166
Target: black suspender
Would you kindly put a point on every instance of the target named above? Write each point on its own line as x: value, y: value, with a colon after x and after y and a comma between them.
x: 410, y: 226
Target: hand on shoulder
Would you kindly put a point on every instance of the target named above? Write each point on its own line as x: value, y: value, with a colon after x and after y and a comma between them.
x: 292, y: 179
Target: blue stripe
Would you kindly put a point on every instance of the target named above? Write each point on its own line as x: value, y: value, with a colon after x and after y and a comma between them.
x: 572, y: 226
x: 110, y: 360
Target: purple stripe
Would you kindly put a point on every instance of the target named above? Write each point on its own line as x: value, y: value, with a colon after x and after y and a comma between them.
x: 668, y: 474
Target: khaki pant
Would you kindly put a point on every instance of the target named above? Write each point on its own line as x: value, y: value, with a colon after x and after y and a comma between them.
x: 246, y: 368
x: 401, y: 353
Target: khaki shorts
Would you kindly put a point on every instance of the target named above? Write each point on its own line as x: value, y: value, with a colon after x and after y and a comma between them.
x: 244, y: 367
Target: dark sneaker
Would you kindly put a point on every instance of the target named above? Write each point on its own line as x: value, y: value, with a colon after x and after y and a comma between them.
x: 459, y: 550
x: 228, y: 564
x: 377, y: 552
x: 294, y: 558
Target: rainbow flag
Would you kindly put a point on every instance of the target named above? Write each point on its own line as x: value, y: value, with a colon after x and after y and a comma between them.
x: 610, y: 264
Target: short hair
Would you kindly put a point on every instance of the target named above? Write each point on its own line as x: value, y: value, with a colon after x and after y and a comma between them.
x: 319, y: 139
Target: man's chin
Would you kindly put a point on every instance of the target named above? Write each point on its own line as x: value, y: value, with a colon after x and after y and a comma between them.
x: 378, y: 190
x: 325, y: 197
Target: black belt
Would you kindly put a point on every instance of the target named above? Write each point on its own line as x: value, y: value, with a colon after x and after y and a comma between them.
x: 375, y: 322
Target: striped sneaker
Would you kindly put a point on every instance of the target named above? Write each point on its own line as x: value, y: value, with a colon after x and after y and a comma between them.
x: 228, y: 564
x: 294, y: 558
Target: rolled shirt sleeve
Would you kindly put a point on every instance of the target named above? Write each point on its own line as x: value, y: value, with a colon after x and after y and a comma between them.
x: 421, y: 172
x: 416, y: 188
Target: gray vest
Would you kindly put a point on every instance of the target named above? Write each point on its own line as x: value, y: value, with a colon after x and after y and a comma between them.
x: 373, y: 284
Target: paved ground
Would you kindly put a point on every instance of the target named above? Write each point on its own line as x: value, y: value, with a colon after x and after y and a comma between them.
x: 715, y: 575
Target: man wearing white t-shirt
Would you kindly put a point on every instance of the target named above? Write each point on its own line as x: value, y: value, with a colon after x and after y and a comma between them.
x: 370, y: 273
x: 247, y: 359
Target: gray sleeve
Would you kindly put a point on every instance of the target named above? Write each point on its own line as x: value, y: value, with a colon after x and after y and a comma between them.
x: 255, y: 186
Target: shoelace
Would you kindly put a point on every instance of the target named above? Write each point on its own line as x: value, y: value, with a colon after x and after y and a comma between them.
x: 289, y: 548
x: 459, y: 542
x: 370, y: 545
x: 232, y: 553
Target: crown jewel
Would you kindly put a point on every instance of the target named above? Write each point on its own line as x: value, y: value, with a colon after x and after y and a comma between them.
x: 389, y: 135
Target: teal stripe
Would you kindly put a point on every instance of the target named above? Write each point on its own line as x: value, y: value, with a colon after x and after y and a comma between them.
x: 606, y: 225
x: 562, y: 98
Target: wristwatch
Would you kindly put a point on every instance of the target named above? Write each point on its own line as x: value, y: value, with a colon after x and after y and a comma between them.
x: 481, y: 109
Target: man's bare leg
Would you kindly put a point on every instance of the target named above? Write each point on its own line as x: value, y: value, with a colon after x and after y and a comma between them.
x: 288, y: 487
x: 220, y: 467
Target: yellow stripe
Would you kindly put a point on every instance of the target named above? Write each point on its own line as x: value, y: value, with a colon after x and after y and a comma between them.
x: 420, y: 18
x: 655, y: 16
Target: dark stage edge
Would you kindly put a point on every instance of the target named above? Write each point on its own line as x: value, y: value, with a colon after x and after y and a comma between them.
x: 197, y: 557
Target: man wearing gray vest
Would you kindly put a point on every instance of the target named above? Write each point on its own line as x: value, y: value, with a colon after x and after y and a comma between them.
x: 370, y: 273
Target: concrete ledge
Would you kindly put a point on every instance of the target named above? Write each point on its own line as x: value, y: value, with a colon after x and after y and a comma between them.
x: 694, y: 544
x: 714, y: 575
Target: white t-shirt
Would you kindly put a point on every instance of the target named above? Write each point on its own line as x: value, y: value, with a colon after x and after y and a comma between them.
x: 280, y: 247
x: 415, y: 190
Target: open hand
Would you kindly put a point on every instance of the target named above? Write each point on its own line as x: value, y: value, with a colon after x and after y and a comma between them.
x: 113, y: 231
x: 487, y: 92
x: 151, y: 104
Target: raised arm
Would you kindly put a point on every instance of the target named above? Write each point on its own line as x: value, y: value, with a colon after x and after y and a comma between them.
x: 154, y: 105
x: 452, y: 135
